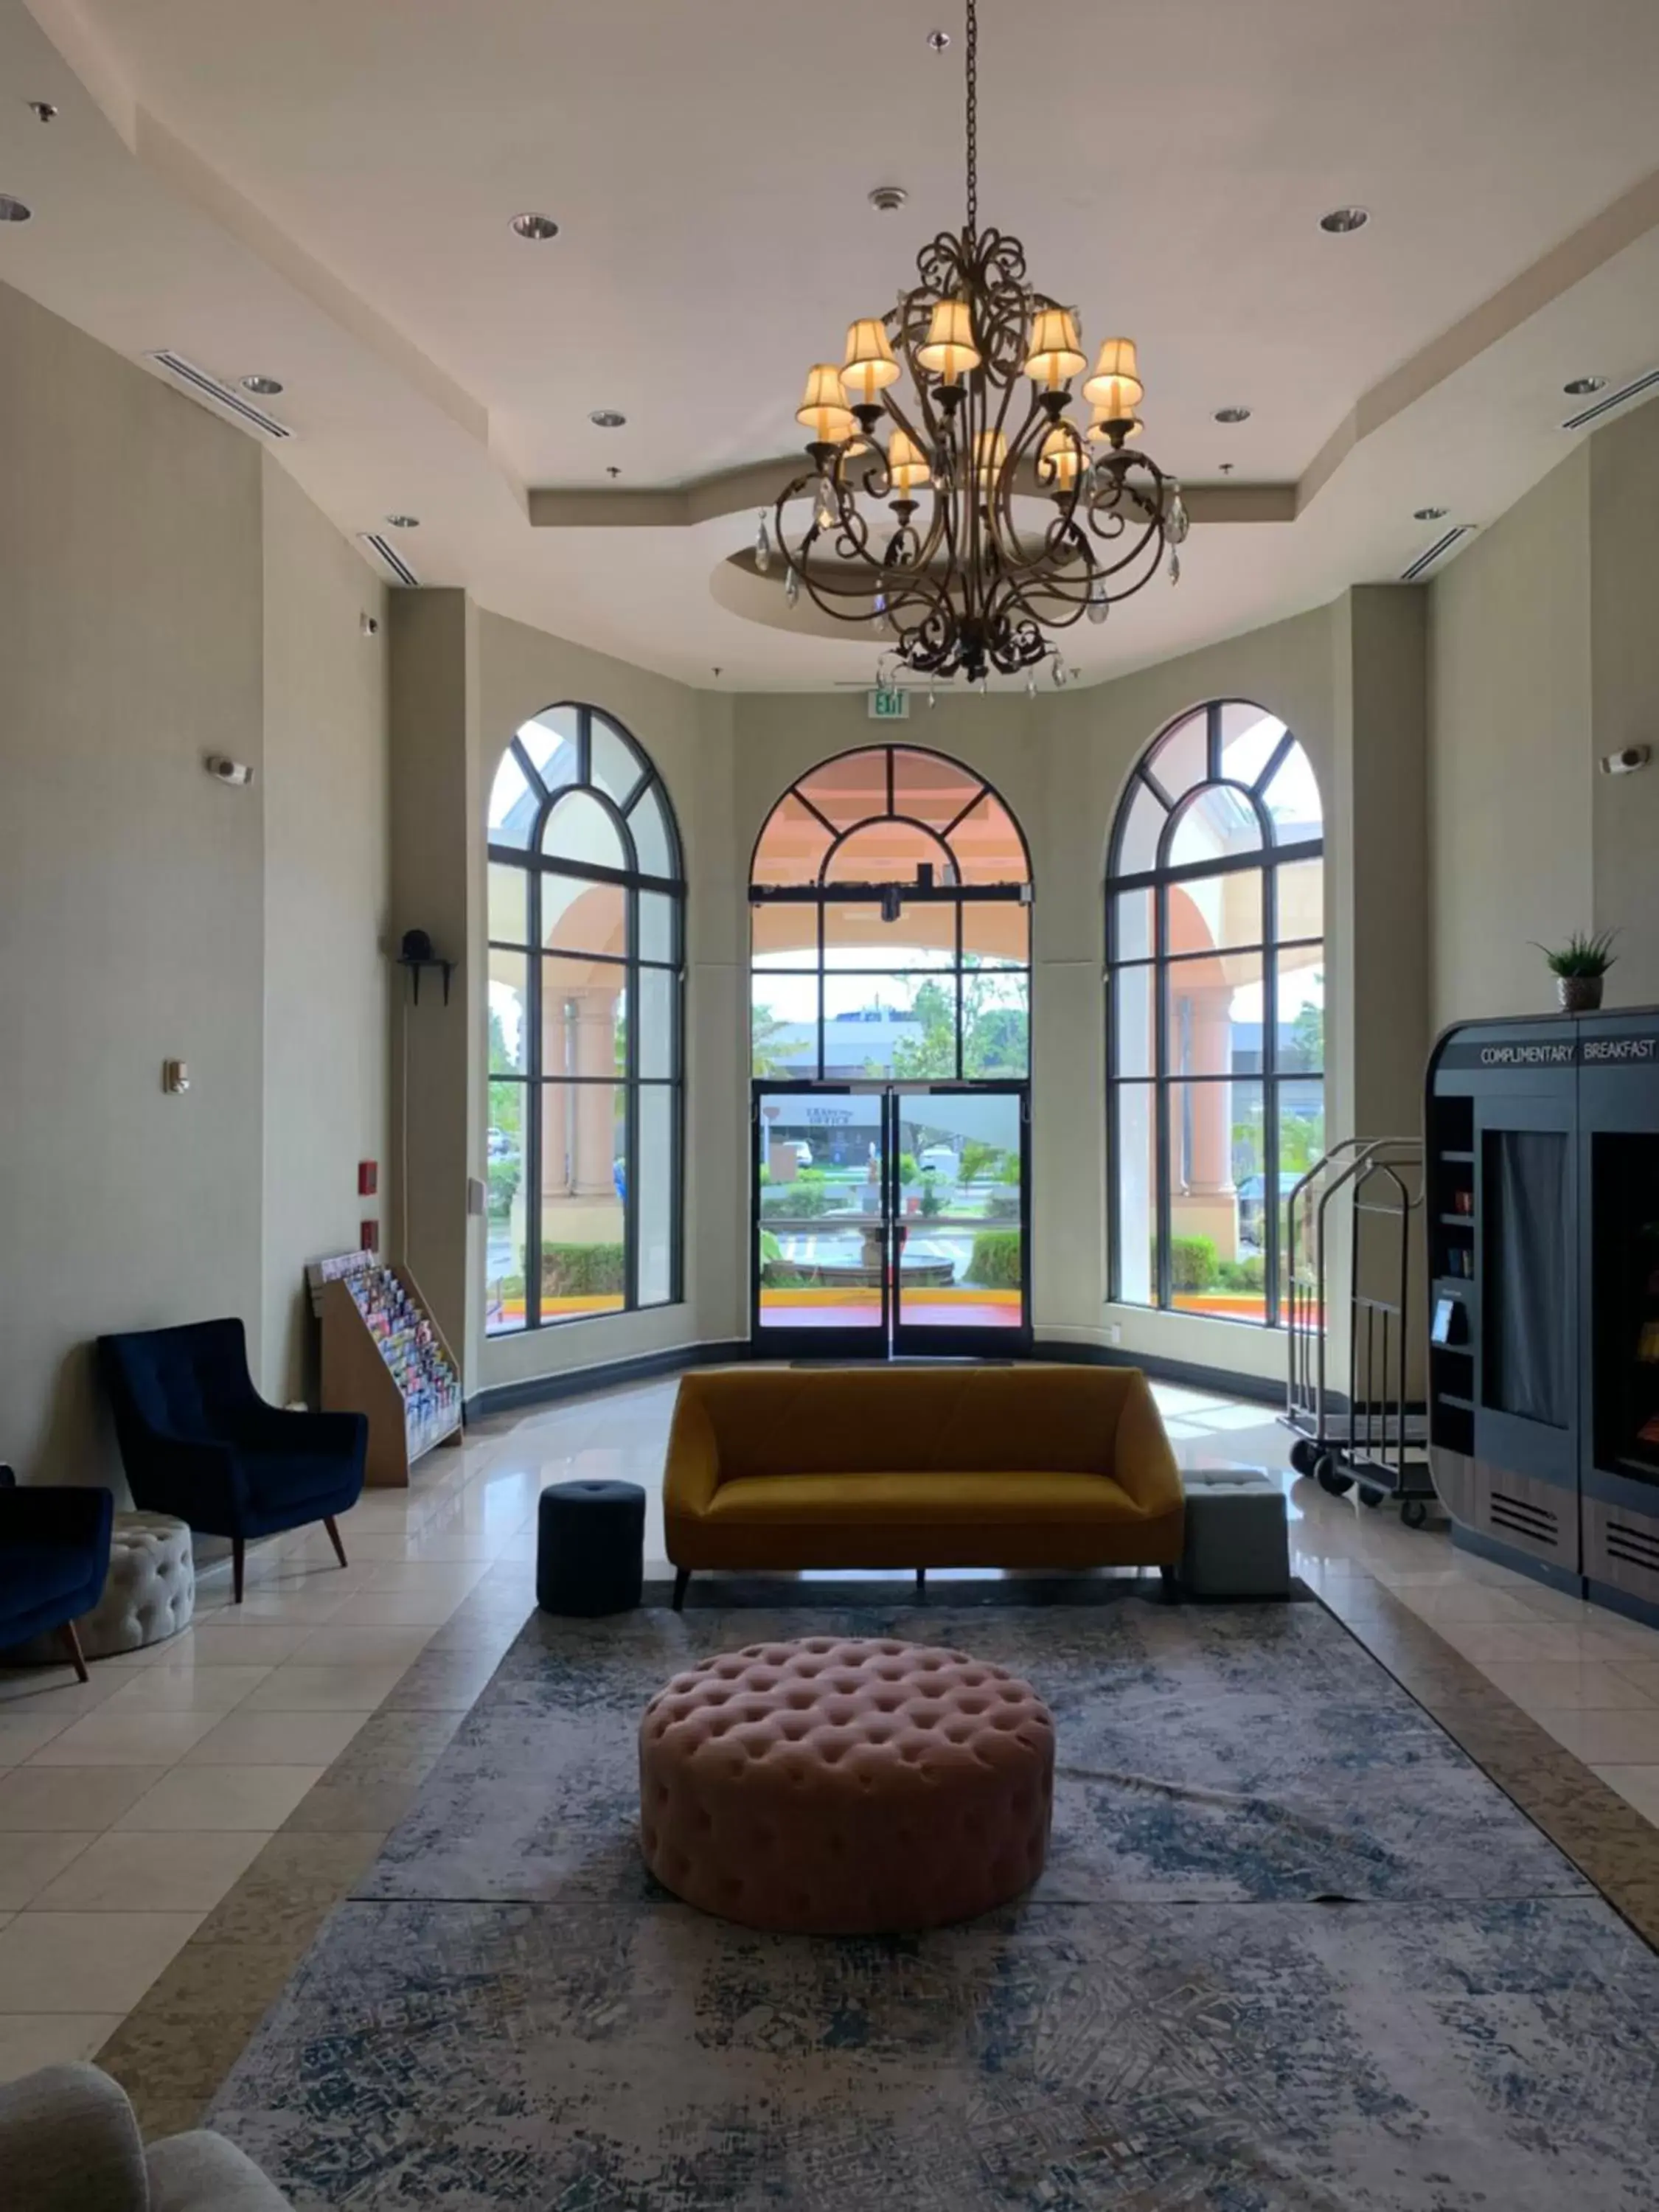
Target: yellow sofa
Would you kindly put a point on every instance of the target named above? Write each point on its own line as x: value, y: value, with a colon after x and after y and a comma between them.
x: 894, y: 1467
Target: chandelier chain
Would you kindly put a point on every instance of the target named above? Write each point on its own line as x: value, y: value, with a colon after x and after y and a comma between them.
x: 972, y: 42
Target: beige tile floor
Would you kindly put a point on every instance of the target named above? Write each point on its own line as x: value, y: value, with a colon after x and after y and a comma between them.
x: 130, y: 1807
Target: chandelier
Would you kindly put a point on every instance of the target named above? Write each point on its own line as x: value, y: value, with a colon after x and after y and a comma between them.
x: 959, y: 582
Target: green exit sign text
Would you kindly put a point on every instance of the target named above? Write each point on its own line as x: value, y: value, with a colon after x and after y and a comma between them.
x: 890, y: 705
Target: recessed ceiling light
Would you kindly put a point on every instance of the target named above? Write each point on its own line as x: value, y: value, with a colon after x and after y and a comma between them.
x: 1430, y: 514
x: 13, y: 211
x: 42, y: 111
x: 266, y: 386
x: 537, y: 226
x: 606, y: 418
x: 1581, y: 385
x: 939, y: 41
x: 1232, y: 414
x: 1342, y: 221
x: 405, y: 521
x: 887, y: 199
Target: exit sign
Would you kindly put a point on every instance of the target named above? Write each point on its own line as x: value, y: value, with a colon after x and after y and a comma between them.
x: 890, y: 705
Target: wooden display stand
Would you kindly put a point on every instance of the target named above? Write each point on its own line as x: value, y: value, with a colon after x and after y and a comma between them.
x: 357, y: 1380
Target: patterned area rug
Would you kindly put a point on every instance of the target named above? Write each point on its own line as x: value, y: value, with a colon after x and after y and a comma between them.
x: 1293, y: 1953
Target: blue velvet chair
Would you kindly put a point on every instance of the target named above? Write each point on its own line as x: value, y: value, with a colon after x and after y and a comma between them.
x: 199, y: 1441
x: 54, y: 1555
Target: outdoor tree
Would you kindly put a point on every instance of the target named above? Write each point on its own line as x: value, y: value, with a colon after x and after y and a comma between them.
x: 768, y: 1055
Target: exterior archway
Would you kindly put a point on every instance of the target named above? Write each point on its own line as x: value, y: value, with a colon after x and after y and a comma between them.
x: 586, y: 926
x: 890, y: 1003
x: 1216, y: 1018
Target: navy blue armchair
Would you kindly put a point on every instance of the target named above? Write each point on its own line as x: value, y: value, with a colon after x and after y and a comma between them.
x: 54, y: 1555
x: 199, y: 1441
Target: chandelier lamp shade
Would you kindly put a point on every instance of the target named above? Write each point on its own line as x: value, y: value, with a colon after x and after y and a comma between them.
x: 956, y: 501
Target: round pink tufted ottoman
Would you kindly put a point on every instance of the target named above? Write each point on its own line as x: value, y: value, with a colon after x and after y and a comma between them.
x: 846, y: 1789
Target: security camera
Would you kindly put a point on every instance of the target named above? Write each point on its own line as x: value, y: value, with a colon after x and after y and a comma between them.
x: 228, y: 771
x: 1627, y: 761
x: 370, y: 626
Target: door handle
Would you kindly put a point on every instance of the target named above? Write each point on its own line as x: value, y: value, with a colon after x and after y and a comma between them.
x: 900, y: 1234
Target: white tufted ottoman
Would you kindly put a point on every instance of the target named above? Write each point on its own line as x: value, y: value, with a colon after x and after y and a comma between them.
x: 860, y: 1788
x: 150, y: 1593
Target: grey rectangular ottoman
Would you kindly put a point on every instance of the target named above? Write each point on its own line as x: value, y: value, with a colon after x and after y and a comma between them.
x: 1237, y: 1546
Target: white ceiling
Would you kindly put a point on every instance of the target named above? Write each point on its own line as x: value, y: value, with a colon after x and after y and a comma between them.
x: 321, y: 189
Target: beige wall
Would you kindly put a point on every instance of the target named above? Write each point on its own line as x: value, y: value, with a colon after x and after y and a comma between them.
x: 166, y: 594
x: 326, y: 860
x: 131, y: 924
x: 1543, y: 656
x: 1512, y: 751
x: 1624, y: 694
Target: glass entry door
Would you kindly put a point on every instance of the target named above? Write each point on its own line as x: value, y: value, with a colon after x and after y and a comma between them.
x: 890, y: 1219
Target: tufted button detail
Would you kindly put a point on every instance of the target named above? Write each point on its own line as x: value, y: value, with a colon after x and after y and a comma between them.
x: 846, y: 1787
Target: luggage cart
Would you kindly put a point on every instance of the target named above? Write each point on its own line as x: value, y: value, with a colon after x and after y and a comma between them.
x: 1373, y: 1436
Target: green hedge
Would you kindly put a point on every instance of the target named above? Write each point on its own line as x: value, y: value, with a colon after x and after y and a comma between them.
x: 1193, y: 1263
x: 996, y: 1262
x: 1249, y: 1274
x: 800, y: 1201
x: 581, y: 1271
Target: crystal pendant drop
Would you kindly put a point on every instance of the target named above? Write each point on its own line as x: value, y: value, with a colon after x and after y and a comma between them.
x: 1099, y: 605
x: 763, y: 546
x: 826, y: 508
x: 1178, y: 522
x: 792, y: 586
x: 933, y: 696
x: 1175, y: 566
x: 1061, y: 673
x: 881, y: 622
x: 1030, y: 685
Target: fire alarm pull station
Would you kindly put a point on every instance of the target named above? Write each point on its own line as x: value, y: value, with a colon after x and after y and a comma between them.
x: 368, y: 1178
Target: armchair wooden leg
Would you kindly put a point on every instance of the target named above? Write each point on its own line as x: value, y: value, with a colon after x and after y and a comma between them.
x: 71, y: 1644
x: 921, y: 1585
x: 682, y: 1576
x: 238, y: 1561
x: 334, y: 1538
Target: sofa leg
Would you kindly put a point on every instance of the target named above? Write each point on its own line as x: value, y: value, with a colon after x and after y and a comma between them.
x: 682, y: 1577
x: 71, y: 1644
x: 238, y: 1561
x: 329, y: 1523
x: 921, y: 1585
x: 1167, y: 1576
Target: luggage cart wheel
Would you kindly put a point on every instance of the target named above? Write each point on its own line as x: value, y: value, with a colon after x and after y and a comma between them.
x: 1304, y: 1455
x: 1326, y: 1475
x: 1370, y: 1497
x: 1415, y: 1512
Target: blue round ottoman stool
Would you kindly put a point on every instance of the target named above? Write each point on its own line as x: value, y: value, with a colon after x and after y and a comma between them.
x: 590, y: 1548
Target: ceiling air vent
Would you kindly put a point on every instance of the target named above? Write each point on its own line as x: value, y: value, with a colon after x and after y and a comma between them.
x: 1437, y: 551
x: 390, y: 559
x: 203, y: 387
x: 1607, y: 401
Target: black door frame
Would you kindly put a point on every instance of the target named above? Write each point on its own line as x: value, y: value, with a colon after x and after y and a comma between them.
x: 890, y: 1336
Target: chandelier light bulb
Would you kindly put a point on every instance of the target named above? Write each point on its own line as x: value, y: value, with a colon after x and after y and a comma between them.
x: 949, y: 351
x: 1114, y: 391
x: 1054, y: 356
x: 906, y: 464
x: 870, y: 365
x: 990, y: 452
x: 1060, y: 461
x: 822, y: 411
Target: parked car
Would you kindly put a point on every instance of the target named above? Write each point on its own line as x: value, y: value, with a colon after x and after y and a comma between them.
x: 941, y: 1160
x: 803, y: 1152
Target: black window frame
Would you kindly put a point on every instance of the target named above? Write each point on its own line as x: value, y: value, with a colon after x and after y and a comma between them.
x: 1267, y: 858
x: 828, y: 890
x: 535, y: 1078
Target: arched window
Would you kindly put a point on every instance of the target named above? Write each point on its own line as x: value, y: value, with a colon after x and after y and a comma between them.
x: 586, y: 920
x: 850, y: 977
x: 1216, y: 1036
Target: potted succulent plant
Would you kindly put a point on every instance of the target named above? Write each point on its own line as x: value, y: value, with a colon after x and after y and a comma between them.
x: 1579, y: 968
